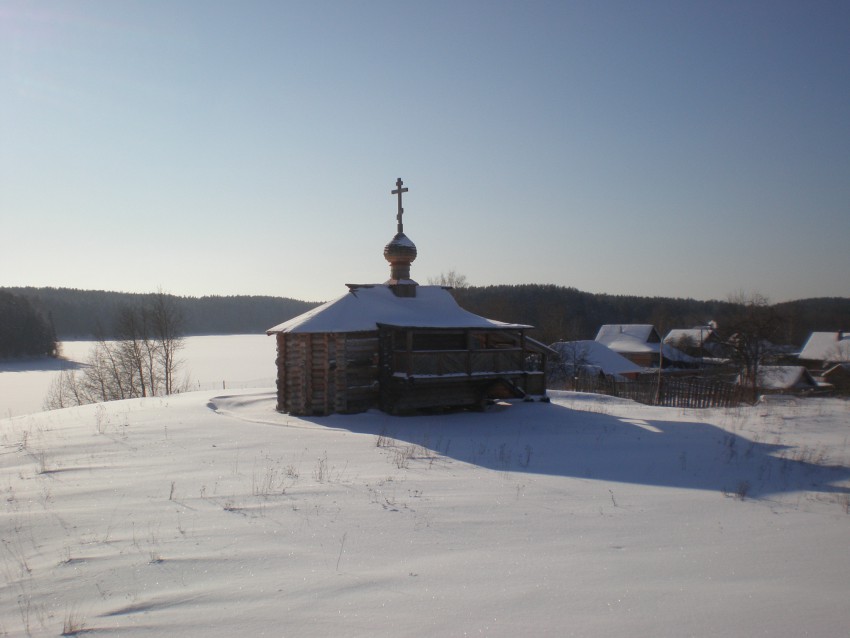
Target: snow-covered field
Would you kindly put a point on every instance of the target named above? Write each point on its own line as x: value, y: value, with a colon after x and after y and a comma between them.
x: 232, y: 361
x: 209, y: 514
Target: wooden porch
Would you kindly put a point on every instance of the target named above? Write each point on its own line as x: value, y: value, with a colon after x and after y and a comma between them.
x: 451, y: 367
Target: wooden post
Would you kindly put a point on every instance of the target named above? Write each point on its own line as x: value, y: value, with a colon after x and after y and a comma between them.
x: 281, y: 371
x: 409, y: 346
x: 469, y: 341
x: 308, y: 367
x: 326, y: 374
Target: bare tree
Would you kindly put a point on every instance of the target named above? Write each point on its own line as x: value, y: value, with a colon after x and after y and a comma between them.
x: 140, y: 352
x: 688, y: 345
x: 166, y: 325
x: 451, y: 279
x: 63, y: 391
x: 574, y: 362
x: 141, y: 362
x: 751, y: 331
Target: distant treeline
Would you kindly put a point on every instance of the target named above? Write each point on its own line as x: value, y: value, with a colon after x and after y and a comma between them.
x: 86, y: 313
x: 24, y: 330
x: 558, y: 313
x: 566, y: 314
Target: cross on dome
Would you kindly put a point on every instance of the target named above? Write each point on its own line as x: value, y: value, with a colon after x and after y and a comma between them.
x: 398, y: 191
x: 400, y: 252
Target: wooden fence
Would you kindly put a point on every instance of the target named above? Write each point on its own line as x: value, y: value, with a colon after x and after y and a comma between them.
x: 678, y: 392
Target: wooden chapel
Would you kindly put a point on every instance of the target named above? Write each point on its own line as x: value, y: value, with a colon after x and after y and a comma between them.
x: 401, y: 347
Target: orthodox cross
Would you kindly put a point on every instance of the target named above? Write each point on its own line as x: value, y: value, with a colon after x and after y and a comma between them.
x: 398, y: 191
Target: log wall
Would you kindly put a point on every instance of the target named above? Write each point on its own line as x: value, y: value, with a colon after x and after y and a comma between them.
x: 320, y: 374
x: 360, y: 372
x: 326, y: 373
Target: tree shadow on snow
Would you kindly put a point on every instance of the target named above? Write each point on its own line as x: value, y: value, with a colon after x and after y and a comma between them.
x: 543, y: 438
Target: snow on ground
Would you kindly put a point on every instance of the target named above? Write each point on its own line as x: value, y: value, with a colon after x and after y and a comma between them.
x: 24, y: 383
x: 208, y: 362
x: 211, y: 514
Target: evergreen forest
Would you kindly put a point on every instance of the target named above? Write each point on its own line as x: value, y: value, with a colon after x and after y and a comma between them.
x: 25, y: 329
x: 31, y: 315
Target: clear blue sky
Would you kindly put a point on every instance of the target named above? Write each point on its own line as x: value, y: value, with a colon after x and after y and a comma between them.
x: 688, y: 149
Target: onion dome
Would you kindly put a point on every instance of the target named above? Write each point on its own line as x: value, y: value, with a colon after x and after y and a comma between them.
x: 400, y: 252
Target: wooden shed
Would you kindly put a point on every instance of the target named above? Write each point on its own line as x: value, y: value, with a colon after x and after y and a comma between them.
x: 401, y: 347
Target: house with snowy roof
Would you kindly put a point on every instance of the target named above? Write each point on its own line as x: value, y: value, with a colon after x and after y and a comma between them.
x: 586, y: 357
x: 700, y: 341
x: 825, y: 348
x: 783, y: 379
x: 401, y: 347
x: 641, y: 344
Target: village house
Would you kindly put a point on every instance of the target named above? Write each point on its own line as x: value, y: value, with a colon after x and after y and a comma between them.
x: 783, y: 380
x: 701, y: 341
x: 640, y: 344
x: 823, y: 349
x: 585, y: 358
x: 402, y: 347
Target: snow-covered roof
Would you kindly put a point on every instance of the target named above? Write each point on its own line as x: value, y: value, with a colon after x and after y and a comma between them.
x: 827, y: 346
x: 593, y: 353
x: 632, y: 338
x: 364, y: 307
x: 638, y: 338
x: 627, y: 343
x: 784, y: 378
x: 696, y: 336
x: 631, y: 332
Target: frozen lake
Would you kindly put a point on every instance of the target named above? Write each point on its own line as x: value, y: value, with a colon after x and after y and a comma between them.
x: 231, y: 361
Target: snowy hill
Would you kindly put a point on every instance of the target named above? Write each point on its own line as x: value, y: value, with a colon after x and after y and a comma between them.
x: 216, y: 516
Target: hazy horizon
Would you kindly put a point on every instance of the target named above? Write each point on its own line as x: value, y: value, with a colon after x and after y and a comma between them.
x: 728, y: 298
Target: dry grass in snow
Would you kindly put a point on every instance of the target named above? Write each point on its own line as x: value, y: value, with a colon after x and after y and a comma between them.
x: 216, y: 516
